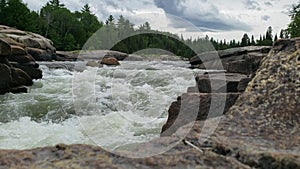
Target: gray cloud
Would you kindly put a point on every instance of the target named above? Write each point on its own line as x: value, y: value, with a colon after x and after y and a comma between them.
x: 252, y: 5
x: 265, y: 17
x: 203, y: 14
x: 268, y: 4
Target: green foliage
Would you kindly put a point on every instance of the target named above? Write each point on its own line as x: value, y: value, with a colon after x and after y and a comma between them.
x: 245, y: 40
x: 72, y: 30
x: 293, y: 29
x: 68, y: 30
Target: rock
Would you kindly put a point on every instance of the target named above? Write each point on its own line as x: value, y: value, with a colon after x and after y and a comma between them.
x: 109, y: 61
x: 219, y: 59
x: 243, y: 84
x: 207, y: 56
x: 192, y: 90
x: 115, y: 54
x: 5, y: 49
x: 221, y: 82
x: 195, y: 106
x: 18, y: 50
x: 38, y: 46
x: 34, y: 73
x: 8, y: 30
x: 5, y: 74
x: 134, y: 58
x: 66, y: 56
x: 20, y: 78
x: 262, y: 129
x: 239, y: 66
x: 39, y: 54
x: 21, y: 58
x: 18, y: 66
x: 92, y: 63
x: 31, y: 64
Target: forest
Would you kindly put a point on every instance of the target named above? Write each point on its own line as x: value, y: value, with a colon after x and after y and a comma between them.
x: 71, y: 30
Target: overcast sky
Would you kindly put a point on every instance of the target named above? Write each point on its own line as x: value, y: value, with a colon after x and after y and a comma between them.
x: 221, y: 19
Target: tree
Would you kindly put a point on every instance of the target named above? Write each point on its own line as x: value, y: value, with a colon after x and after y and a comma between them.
x: 245, y: 40
x: 110, y: 20
x: 252, y: 40
x: 3, y: 5
x: 294, y: 27
x: 275, y: 38
x: 281, y: 34
x: 269, y: 35
x: 15, y: 14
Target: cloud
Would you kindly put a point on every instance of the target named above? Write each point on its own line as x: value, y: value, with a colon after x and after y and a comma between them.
x: 202, y: 14
x: 268, y: 4
x: 265, y: 17
x: 252, y: 5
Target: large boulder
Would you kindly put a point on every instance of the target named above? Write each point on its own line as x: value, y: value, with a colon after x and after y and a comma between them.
x: 38, y: 46
x: 18, y: 67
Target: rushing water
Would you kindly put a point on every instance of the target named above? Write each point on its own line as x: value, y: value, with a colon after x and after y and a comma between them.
x: 109, y: 106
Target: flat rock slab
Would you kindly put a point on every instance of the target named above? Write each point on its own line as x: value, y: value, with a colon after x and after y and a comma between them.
x: 219, y: 83
x: 207, y: 56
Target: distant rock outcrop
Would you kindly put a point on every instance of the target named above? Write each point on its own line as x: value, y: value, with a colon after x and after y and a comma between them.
x: 236, y: 60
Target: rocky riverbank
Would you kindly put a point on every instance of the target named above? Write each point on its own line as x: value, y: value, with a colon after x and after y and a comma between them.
x: 261, y: 130
x: 18, y: 52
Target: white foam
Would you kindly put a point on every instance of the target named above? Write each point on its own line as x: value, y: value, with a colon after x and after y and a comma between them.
x: 114, y: 106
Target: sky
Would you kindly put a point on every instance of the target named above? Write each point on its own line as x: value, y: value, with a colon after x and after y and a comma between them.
x: 221, y: 19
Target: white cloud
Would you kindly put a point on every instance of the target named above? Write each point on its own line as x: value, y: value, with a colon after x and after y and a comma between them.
x: 219, y: 18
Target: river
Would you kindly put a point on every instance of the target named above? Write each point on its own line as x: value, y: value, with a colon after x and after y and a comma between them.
x: 109, y: 106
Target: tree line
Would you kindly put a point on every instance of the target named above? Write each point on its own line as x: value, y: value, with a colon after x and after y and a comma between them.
x: 72, y: 30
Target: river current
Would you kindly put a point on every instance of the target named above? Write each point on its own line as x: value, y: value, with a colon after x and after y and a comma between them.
x: 109, y: 107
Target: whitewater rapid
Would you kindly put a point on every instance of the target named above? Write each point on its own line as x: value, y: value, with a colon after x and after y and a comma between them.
x: 109, y: 107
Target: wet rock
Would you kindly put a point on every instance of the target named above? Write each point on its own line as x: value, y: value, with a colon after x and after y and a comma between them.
x: 34, y: 73
x: 21, y: 58
x: 20, y: 78
x: 110, y: 61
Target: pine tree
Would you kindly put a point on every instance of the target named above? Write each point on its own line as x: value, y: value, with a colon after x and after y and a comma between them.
x: 275, y: 38
x: 252, y: 40
x: 245, y: 40
x: 294, y: 27
x: 281, y: 34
